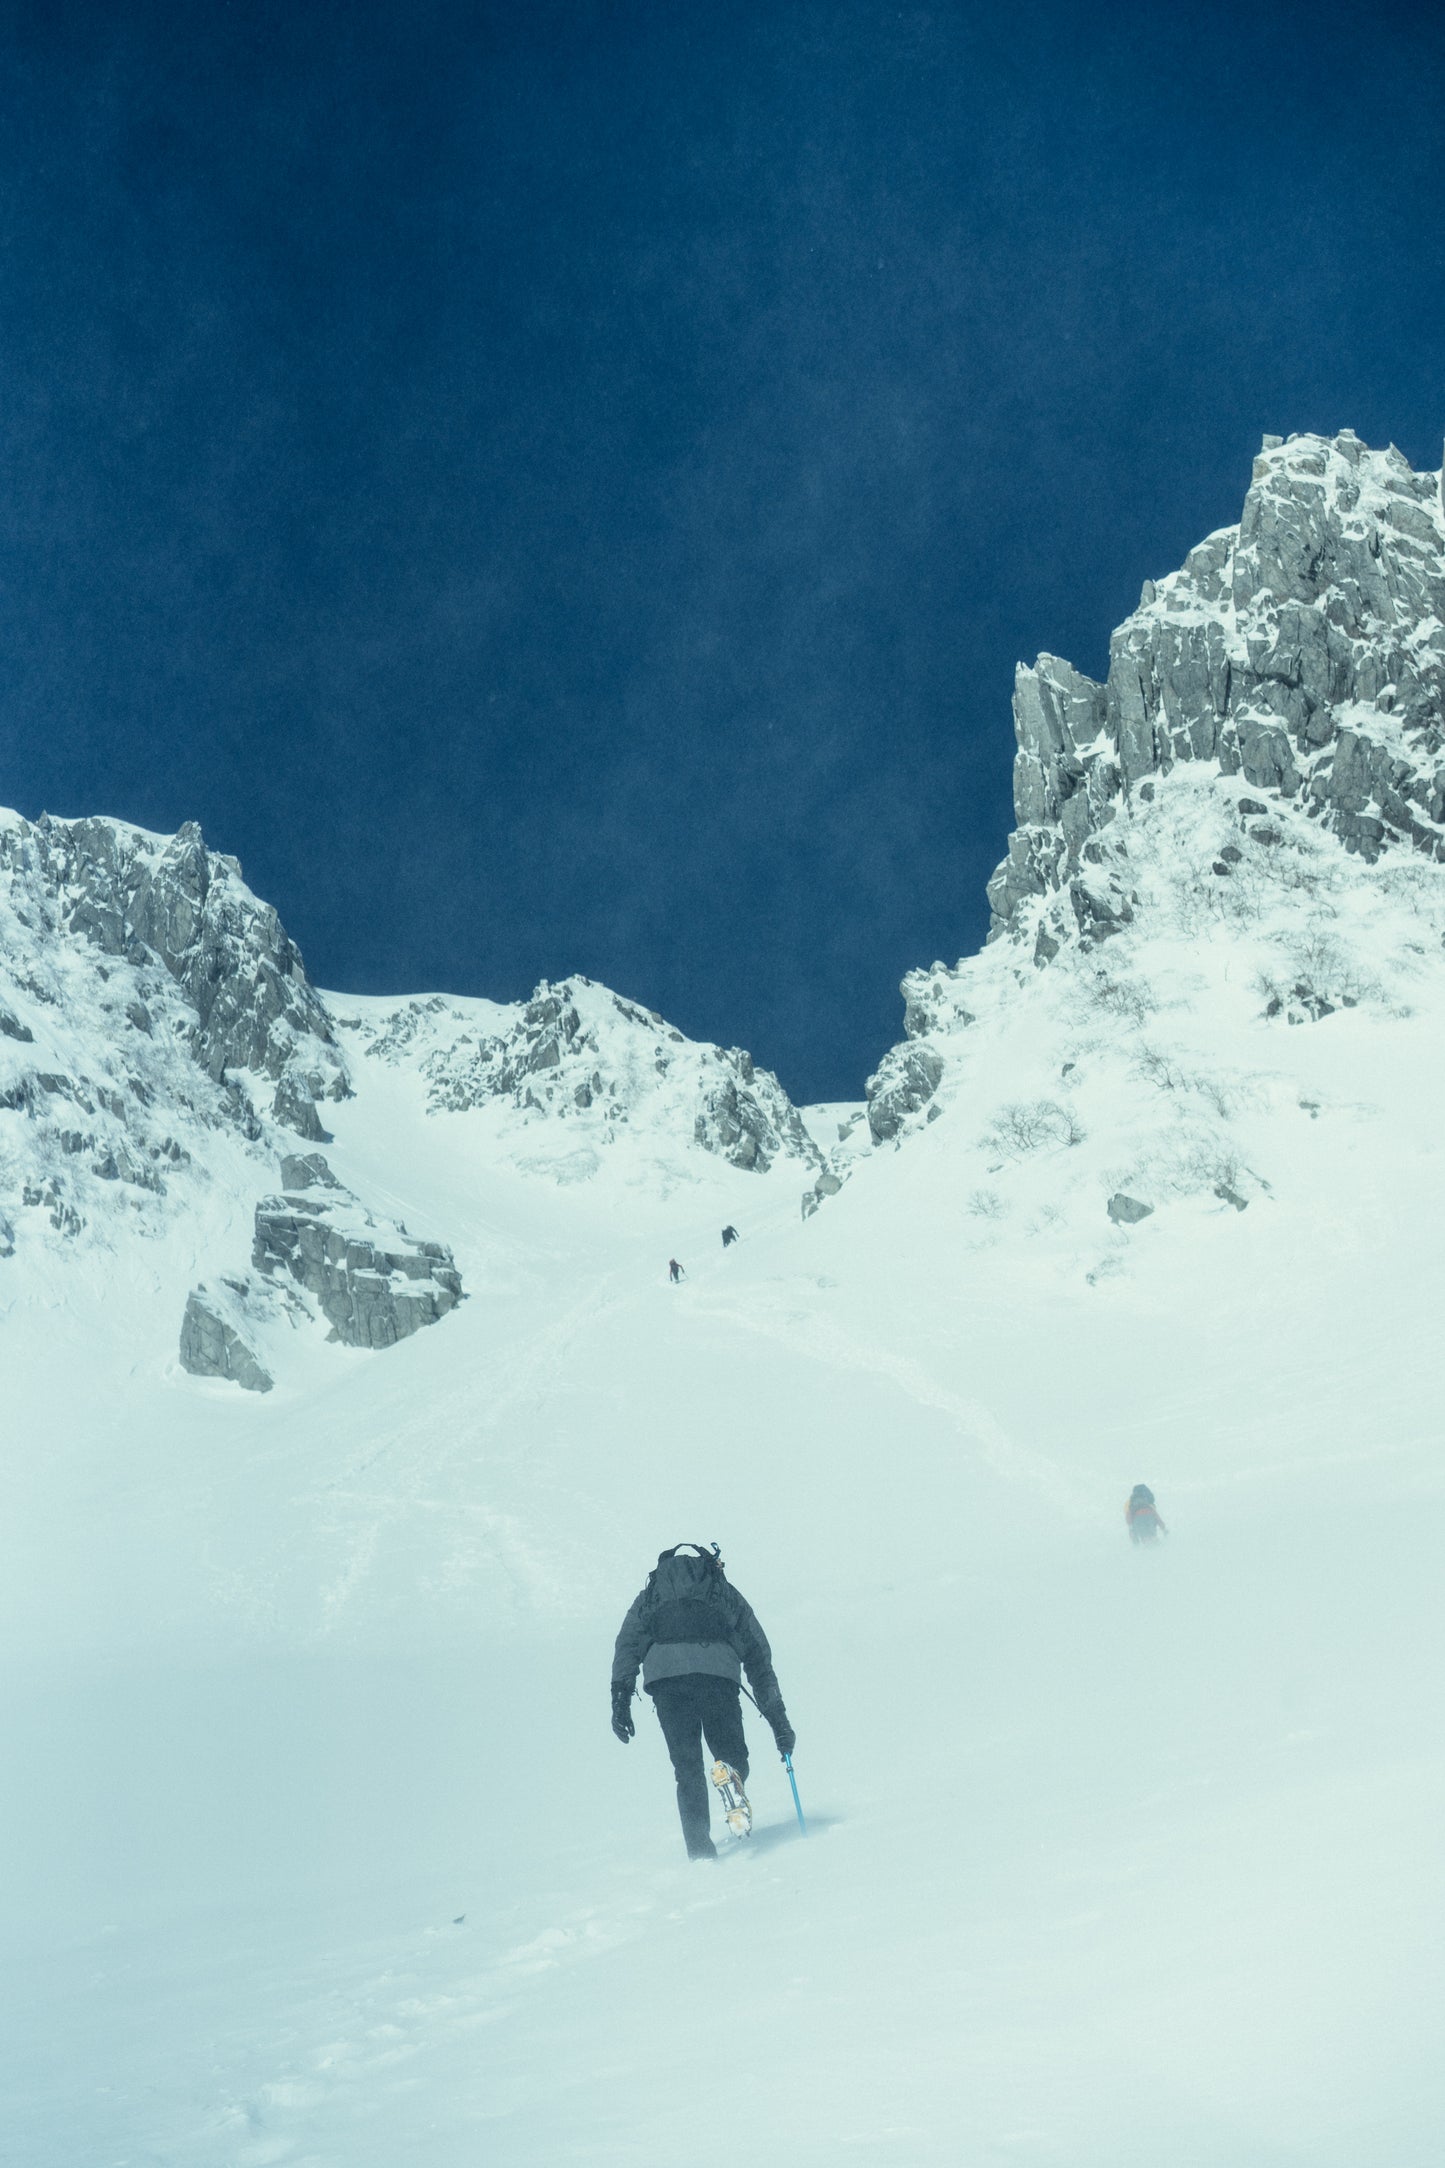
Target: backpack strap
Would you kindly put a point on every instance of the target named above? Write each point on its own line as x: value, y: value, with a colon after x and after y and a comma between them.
x: 707, y: 1552
x: 710, y: 1555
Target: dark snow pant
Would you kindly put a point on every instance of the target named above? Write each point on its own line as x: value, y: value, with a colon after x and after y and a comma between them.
x: 689, y: 1709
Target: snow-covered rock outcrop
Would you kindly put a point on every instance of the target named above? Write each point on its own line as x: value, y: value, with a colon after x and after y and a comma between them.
x: 147, y: 997
x: 1303, y: 650
x: 373, y: 1282
x: 161, y: 1046
x: 580, y: 1056
x: 1241, y: 832
x: 317, y: 1253
x: 142, y: 992
x: 216, y: 1335
x: 158, y: 1039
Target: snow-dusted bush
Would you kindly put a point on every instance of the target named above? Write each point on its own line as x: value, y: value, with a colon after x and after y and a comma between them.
x: 1033, y: 1125
x: 1167, y: 1073
x: 1132, y: 1001
x: 1315, y: 975
x: 1160, y: 1068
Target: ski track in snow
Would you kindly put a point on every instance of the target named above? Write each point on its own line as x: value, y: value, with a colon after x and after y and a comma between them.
x: 822, y: 1341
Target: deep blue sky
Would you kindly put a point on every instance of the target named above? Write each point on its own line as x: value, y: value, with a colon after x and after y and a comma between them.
x: 563, y: 486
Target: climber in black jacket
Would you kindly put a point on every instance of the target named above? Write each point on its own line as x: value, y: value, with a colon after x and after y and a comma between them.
x: 693, y: 1635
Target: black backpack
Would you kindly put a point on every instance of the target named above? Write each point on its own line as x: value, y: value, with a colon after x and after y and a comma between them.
x: 683, y: 1603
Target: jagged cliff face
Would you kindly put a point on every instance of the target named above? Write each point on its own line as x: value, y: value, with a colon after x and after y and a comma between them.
x: 147, y: 996
x: 1303, y: 651
x: 148, y: 1003
x: 580, y: 1057
x: 1262, y: 777
x: 1241, y: 831
x: 166, y: 902
x: 162, y: 1050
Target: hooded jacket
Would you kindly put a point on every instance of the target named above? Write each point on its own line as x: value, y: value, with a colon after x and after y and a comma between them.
x: 688, y: 1619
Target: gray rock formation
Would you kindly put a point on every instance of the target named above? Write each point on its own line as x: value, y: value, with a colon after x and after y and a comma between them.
x: 307, y: 1170
x: 1303, y: 650
x: 1127, y: 1211
x: 904, y: 1082
x: 827, y: 1185
x: 294, y: 1105
x: 746, y: 1116
x: 168, y: 901
x: 578, y: 1053
x: 212, y: 1345
x: 373, y: 1283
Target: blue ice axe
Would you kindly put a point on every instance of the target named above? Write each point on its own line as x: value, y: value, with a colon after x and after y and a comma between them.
x: 797, y: 1802
x: 787, y: 1759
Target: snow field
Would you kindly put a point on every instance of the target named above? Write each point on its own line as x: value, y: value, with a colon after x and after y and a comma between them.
x: 1114, y: 1858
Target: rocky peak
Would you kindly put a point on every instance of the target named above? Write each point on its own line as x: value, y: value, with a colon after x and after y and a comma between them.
x: 578, y: 1054
x: 1303, y: 650
x: 153, y: 1013
x: 167, y: 900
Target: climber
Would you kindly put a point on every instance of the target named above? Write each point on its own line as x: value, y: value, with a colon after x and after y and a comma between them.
x: 1141, y: 1516
x: 675, y: 1271
x: 730, y: 1235
x: 693, y: 1635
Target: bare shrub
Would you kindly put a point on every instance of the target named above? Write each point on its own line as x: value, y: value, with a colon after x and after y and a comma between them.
x: 1210, y: 1166
x: 1159, y: 1069
x: 1319, y: 956
x: 1299, y: 873
x: 1214, y: 1094
x: 1033, y: 1125
x: 986, y: 1204
x: 1416, y: 883
x: 1317, y: 973
x: 1167, y: 1074
x: 1131, y: 1000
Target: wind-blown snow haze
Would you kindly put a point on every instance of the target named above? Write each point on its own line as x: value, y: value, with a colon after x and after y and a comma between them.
x: 349, y: 1403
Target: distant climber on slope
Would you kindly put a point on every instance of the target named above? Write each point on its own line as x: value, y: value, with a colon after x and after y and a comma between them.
x: 692, y: 1634
x: 730, y: 1235
x: 1141, y: 1516
x: 675, y: 1271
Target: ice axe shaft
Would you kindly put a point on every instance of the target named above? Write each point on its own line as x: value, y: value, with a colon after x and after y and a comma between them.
x: 787, y: 1760
x: 797, y: 1802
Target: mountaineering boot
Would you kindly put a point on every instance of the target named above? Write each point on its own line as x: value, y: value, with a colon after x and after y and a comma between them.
x: 702, y: 1848
x: 736, y: 1812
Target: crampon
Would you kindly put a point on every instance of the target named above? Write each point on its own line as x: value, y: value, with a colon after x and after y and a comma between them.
x: 736, y: 1812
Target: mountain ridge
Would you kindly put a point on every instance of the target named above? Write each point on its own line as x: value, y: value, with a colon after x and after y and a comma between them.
x: 1278, y: 700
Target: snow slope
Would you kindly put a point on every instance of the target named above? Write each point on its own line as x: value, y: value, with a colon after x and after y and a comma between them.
x: 323, y: 1852
x: 319, y: 1847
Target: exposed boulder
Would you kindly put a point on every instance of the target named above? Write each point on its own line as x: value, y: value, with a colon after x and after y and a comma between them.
x: 307, y: 1170
x: 904, y: 1082
x: 212, y: 1344
x: 374, y: 1283
x: 294, y: 1105
x: 828, y: 1184
x: 1127, y: 1211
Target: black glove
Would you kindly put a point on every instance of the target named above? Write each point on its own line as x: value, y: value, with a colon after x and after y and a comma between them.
x: 622, y: 1722
x: 783, y: 1731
